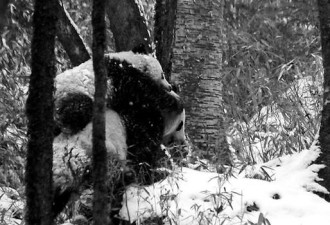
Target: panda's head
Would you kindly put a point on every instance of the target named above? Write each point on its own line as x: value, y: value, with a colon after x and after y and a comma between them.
x: 174, y: 132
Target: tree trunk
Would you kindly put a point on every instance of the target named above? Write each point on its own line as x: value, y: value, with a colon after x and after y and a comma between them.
x: 39, y: 109
x: 165, y: 16
x: 197, y: 64
x: 324, y: 138
x: 128, y: 25
x: 69, y: 37
x: 101, y: 199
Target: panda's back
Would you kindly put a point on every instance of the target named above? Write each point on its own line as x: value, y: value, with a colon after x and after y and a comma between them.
x: 77, y: 79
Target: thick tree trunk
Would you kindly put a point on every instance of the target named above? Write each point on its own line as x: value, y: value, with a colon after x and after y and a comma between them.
x: 197, y: 65
x: 164, y: 32
x: 39, y: 109
x: 101, y: 196
x: 69, y: 37
x: 128, y: 25
x: 324, y: 138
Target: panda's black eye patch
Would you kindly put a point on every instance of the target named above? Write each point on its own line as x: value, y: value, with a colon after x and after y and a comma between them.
x: 180, y: 126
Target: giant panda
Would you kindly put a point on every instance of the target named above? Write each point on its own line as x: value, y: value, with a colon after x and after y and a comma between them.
x: 75, y: 88
x: 135, y: 81
x: 141, y: 105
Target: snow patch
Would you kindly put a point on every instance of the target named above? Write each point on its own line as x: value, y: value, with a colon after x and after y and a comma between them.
x: 194, y: 197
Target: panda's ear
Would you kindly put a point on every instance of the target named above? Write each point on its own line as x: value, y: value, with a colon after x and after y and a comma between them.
x: 140, y: 49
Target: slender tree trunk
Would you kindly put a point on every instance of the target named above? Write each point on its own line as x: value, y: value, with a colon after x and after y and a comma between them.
x: 101, y: 196
x: 128, y: 25
x: 69, y: 37
x: 39, y: 109
x: 197, y: 64
x: 324, y: 138
x: 165, y: 17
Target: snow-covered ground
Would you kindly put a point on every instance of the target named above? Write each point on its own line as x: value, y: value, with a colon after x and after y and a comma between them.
x: 193, y: 197
x: 279, y: 191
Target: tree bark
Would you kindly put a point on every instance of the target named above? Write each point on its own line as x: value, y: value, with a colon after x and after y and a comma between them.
x: 39, y: 109
x: 164, y: 32
x: 68, y: 35
x: 324, y: 137
x: 101, y: 199
x: 197, y: 64
x: 128, y: 25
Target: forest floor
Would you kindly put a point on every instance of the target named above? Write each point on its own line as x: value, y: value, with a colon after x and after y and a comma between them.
x: 278, y: 192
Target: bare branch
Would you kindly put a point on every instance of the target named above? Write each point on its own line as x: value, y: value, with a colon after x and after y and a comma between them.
x: 69, y: 37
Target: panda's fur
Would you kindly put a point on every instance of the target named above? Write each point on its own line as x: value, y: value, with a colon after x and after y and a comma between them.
x: 79, y: 81
x: 141, y: 107
x: 137, y: 89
